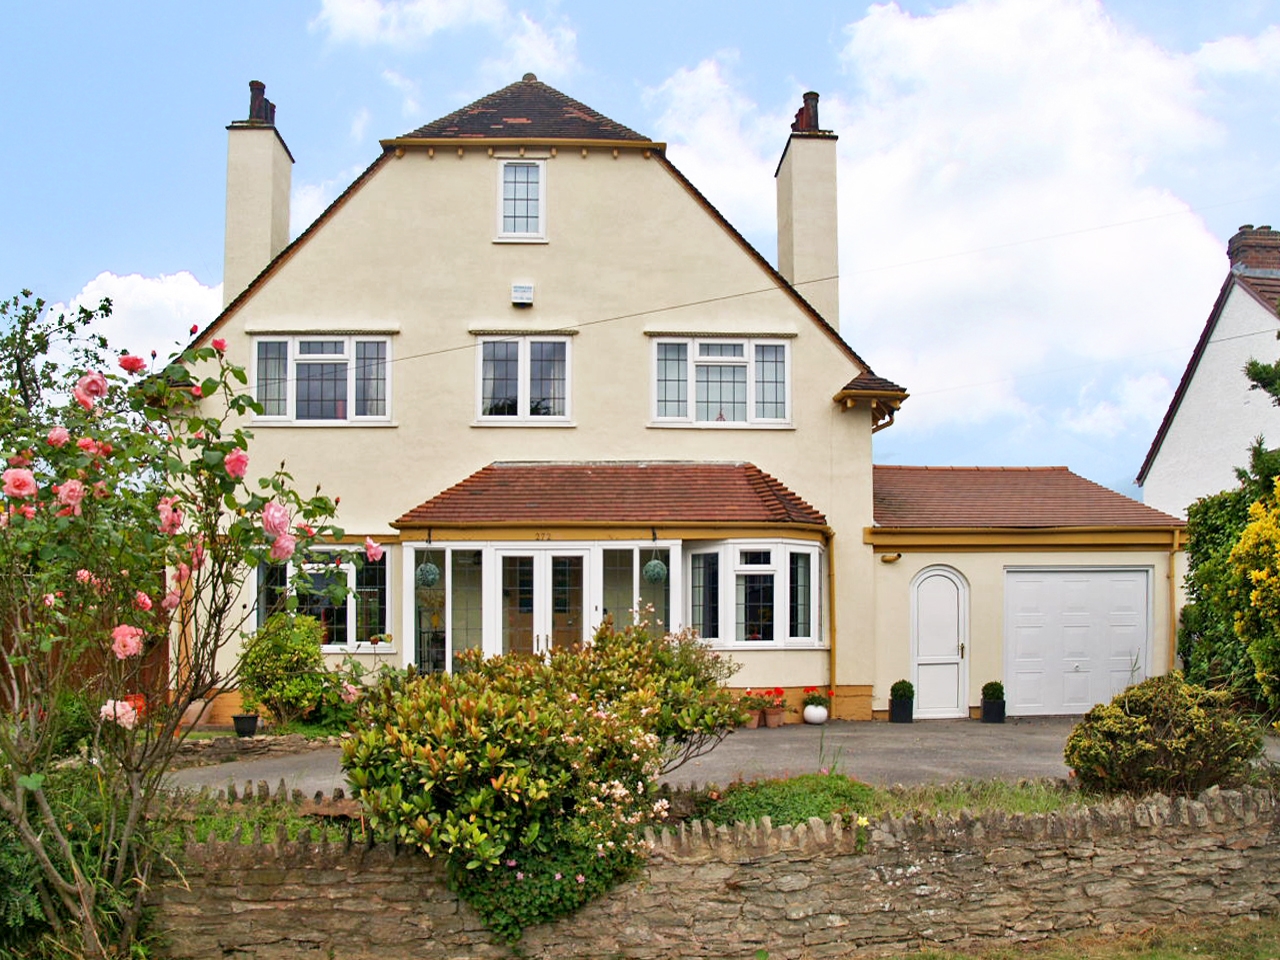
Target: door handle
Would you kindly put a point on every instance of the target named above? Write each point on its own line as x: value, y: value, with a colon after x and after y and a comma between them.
x: 962, y: 651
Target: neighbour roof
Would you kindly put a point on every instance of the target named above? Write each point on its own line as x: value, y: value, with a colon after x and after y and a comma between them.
x: 1028, y: 497
x: 621, y: 492
x: 527, y: 108
x: 869, y: 383
x: 1264, y: 289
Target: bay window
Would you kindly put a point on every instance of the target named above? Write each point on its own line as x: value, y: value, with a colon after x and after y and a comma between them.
x: 773, y: 586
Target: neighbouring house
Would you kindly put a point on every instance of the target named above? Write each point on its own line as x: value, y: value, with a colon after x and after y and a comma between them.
x: 541, y: 368
x: 1214, y: 416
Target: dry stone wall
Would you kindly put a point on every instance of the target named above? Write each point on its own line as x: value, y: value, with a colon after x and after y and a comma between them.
x: 819, y: 890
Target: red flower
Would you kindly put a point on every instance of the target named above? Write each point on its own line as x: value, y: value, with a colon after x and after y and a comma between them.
x: 220, y: 345
x: 131, y: 364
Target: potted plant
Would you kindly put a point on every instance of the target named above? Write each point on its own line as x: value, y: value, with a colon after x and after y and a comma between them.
x: 752, y: 703
x: 902, y: 696
x: 817, y: 704
x: 775, y: 699
x: 246, y: 724
x: 993, y: 702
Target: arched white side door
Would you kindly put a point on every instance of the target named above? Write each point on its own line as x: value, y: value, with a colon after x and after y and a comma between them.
x: 939, y: 643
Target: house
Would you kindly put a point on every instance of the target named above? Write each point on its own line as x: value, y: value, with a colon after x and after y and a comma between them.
x: 1214, y: 416
x: 541, y: 368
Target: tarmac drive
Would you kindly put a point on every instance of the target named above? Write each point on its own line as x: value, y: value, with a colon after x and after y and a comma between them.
x: 930, y: 751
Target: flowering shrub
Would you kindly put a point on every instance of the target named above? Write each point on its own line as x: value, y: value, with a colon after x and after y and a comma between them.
x: 1164, y: 735
x: 533, y: 777
x: 755, y: 699
x: 122, y: 526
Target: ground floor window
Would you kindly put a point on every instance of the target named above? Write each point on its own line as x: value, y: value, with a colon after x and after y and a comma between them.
x: 773, y: 586
x: 349, y: 600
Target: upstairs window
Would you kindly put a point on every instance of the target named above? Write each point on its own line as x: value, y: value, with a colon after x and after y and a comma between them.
x: 722, y: 382
x: 524, y: 379
x: 522, y: 203
x: 323, y: 379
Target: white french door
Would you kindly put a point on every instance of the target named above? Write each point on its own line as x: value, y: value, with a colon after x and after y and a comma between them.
x: 542, y: 601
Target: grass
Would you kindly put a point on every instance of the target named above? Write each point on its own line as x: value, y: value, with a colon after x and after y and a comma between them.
x: 210, y: 819
x: 1242, y: 940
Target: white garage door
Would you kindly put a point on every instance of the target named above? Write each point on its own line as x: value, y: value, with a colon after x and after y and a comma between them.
x: 1074, y: 637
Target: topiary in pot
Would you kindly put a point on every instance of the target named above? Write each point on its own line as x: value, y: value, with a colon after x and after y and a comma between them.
x: 993, y: 702
x: 902, y: 697
x: 1163, y: 735
x: 282, y: 668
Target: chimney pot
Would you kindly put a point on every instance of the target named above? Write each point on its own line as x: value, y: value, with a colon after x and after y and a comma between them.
x: 261, y: 110
x: 807, y: 116
x: 1254, y: 249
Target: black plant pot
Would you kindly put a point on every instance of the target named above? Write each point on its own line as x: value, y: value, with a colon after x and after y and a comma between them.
x: 900, y: 711
x: 246, y: 724
x: 993, y: 711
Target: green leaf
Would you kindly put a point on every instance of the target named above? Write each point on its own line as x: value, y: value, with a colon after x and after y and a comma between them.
x: 31, y: 781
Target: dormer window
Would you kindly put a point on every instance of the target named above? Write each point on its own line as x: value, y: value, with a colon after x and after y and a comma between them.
x: 522, y: 200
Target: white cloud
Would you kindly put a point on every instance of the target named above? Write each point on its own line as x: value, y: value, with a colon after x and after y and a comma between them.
x: 408, y: 90
x: 1242, y: 55
x: 551, y: 52
x: 401, y: 22
x: 148, y: 313
x: 308, y: 200
x: 359, y: 124
x: 721, y: 140
x: 1137, y: 403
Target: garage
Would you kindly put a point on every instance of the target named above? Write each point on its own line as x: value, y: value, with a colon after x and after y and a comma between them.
x: 1074, y: 637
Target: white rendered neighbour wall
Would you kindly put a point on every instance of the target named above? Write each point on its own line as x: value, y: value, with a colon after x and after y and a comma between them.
x: 1219, y: 416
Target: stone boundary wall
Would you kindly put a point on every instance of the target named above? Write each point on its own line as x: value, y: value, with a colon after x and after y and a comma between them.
x: 803, y: 892
x: 200, y: 753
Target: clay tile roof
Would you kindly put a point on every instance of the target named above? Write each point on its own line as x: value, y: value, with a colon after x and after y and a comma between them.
x: 870, y: 383
x: 621, y: 492
x: 527, y: 108
x: 1026, y: 497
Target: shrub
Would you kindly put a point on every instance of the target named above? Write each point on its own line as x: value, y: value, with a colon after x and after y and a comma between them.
x: 993, y: 690
x: 282, y: 668
x: 1163, y: 735
x: 532, y: 777
x: 902, y: 690
x: 74, y: 722
x: 21, y: 917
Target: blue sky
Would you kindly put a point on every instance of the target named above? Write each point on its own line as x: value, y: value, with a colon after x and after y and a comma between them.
x: 1035, y: 195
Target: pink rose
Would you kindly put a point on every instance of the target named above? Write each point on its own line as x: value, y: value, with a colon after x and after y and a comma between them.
x: 197, y: 555
x: 49, y: 599
x: 275, y: 519
x: 20, y: 483
x: 126, y: 641
x: 119, y: 711
x: 182, y: 574
x: 197, y: 392
x: 83, y: 575
x: 28, y: 511
x: 70, y: 494
x: 372, y: 550
x: 236, y: 462
x: 58, y: 436
x: 20, y: 459
x: 283, y: 547
x: 171, y: 600
x: 131, y: 364
x: 220, y: 345
x: 350, y: 693
x: 142, y: 601
x: 89, y: 389
x: 100, y: 491
x: 170, y: 516
x: 88, y: 445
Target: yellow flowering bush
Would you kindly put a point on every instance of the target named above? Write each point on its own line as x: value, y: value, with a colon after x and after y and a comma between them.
x: 1255, y: 560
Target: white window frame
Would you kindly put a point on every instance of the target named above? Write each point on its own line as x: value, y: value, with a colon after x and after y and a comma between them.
x: 747, y: 361
x: 293, y: 357
x: 353, y: 645
x: 779, y: 567
x: 524, y: 360
x: 540, y: 235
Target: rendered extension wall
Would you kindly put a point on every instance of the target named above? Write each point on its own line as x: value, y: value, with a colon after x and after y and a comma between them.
x: 804, y: 892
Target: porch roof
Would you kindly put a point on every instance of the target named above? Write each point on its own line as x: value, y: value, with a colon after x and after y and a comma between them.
x: 644, y: 492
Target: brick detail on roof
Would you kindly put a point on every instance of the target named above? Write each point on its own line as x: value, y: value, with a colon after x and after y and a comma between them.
x: 1003, y: 497
x: 526, y: 108
x: 615, y: 492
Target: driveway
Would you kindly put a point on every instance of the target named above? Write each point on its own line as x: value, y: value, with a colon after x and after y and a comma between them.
x: 883, y: 754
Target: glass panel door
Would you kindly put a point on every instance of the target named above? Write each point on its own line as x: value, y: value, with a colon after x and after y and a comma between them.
x: 567, y: 599
x: 517, y: 604
x: 429, y: 601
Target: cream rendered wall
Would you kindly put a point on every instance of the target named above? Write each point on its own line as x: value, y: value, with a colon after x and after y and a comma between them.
x: 808, y: 254
x: 413, y: 251
x: 1219, y: 416
x: 259, y: 174
x: 985, y: 573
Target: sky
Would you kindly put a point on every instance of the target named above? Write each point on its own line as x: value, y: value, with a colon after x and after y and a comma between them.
x: 1035, y: 196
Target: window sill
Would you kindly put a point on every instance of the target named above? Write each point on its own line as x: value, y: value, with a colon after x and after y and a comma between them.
x: 738, y: 646
x: 365, y: 649
x: 310, y: 424
x: 716, y: 425
x: 520, y: 240
x: 541, y: 422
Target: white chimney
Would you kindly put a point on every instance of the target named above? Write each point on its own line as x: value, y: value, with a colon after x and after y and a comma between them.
x: 259, y: 177
x: 807, y: 217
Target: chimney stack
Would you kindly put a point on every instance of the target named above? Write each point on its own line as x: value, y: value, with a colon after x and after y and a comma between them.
x: 807, y: 216
x: 1255, y: 251
x: 259, y: 178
